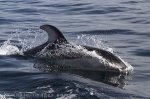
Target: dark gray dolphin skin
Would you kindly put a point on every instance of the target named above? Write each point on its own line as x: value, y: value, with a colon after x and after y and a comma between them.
x: 55, y: 36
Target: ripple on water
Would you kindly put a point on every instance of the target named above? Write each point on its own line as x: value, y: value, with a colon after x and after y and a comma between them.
x: 142, y: 52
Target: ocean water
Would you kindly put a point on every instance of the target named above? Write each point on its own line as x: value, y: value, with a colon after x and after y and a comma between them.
x: 121, y: 26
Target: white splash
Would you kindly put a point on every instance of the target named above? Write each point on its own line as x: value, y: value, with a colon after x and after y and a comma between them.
x: 24, y: 36
x: 3, y: 97
x: 8, y: 49
x: 92, y: 40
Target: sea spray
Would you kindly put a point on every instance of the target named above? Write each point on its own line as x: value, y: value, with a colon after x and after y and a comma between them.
x: 8, y: 49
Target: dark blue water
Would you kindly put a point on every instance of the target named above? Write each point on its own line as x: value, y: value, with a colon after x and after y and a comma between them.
x: 121, y: 25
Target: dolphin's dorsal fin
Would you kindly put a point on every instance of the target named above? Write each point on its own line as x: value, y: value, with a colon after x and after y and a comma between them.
x: 54, y: 35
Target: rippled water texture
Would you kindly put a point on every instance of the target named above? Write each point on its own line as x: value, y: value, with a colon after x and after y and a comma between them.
x: 121, y: 25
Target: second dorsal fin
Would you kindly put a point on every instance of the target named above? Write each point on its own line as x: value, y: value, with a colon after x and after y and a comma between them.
x: 54, y: 35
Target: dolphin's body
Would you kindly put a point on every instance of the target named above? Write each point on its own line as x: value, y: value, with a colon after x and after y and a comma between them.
x: 56, y: 38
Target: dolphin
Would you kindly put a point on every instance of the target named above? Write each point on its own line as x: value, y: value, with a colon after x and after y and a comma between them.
x: 104, y: 60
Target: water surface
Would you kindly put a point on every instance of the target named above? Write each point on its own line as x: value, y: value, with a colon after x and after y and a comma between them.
x: 120, y: 25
